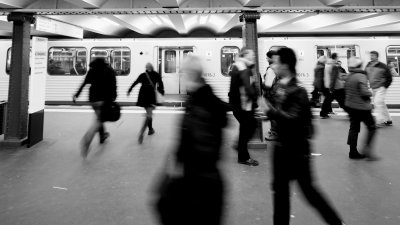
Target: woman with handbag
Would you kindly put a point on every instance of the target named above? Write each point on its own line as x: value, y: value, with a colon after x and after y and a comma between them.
x: 151, y: 84
x: 103, y: 90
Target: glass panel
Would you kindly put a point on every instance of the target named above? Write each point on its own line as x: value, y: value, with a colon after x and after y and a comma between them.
x: 119, y: 58
x: 170, y: 61
x: 228, y: 55
x: 320, y: 53
x: 67, y: 61
x: 187, y: 52
x: 351, y: 52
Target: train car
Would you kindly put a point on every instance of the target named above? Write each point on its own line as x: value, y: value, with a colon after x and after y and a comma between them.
x: 68, y: 61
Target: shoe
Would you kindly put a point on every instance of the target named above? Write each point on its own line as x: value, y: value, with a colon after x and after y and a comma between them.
x: 140, y: 139
x: 331, y: 113
x: 324, y: 116
x: 249, y: 162
x: 84, y: 149
x: 151, y: 132
x: 271, y: 136
x: 356, y: 155
x: 104, y: 137
x: 388, y: 123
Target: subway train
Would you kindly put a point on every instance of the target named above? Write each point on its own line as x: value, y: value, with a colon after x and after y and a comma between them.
x: 68, y: 61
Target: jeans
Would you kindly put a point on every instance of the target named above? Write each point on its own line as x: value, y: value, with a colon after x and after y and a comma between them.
x: 356, y: 117
x: 382, y: 113
x: 288, y: 167
x: 97, y: 125
x: 248, y: 125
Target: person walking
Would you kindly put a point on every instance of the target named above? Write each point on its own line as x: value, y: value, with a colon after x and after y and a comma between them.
x: 318, y: 84
x: 380, y: 79
x: 330, y: 75
x: 103, y: 89
x: 269, y: 85
x: 243, y: 98
x: 192, y: 188
x: 291, y: 158
x: 358, y: 103
x: 151, y: 82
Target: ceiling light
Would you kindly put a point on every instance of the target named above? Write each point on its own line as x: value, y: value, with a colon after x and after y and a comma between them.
x: 109, y: 21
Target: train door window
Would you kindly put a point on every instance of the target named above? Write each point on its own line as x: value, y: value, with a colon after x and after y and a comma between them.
x: 344, y: 52
x: 228, y: 56
x: 8, y: 61
x: 67, y: 61
x: 393, y: 59
x: 119, y: 58
x: 170, y: 61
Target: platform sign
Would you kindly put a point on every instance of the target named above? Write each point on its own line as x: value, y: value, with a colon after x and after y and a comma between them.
x: 37, y: 82
x: 56, y: 27
x: 37, y: 90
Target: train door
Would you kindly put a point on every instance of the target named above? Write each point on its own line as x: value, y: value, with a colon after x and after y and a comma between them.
x: 171, y: 60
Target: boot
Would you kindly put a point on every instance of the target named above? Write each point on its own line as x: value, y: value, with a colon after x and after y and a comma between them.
x: 354, y: 154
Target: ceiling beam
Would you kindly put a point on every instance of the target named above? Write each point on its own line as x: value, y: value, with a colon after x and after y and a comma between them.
x: 362, y: 17
x: 123, y: 22
x: 87, y: 3
x: 179, y: 24
x: 11, y: 4
x: 232, y: 22
x: 169, y: 3
x: 289, y: 21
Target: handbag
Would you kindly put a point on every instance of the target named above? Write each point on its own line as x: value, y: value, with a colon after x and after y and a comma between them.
x: 110, y: 111
x: 159, y: 96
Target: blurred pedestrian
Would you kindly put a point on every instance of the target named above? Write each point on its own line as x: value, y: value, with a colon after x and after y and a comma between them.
x: 330, y: 77
x: 393, y: 69
x: 243, y: 98
x: 291, y: 153
x: 358, y: 103
x: 270, y: 81
x: 103, y: 90
x: 191, y: 190
x: 318, y: 84
x: 151, y: 82
x: 380, y: 79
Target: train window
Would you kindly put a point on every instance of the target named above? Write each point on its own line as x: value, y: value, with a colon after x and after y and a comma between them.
x: 344, y: 52
x: 8, y: 61
x: 170, y: 61
x: 392, y: 58
x: 67, y: 61
x: 228, y: 56
x: 119, y: 58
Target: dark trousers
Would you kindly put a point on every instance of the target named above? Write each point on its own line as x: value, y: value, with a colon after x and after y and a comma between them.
x: 327, y: 104
x: 315, y: 97
x: 340, y: 96
x: 356, y: 117
x: 247, y: 127
x: 296, y: 168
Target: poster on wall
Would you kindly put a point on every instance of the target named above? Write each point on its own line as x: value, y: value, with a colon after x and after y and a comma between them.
x: 37, y: 90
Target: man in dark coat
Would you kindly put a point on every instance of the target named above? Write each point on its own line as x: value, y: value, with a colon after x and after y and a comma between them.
x: 291, y: 154
x: 103, y: 89
x: 194, y: 193
x: 318, y: 81
x: 243, y: 98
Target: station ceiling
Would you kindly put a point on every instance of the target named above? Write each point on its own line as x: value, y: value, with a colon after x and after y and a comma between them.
x: 191, y: 18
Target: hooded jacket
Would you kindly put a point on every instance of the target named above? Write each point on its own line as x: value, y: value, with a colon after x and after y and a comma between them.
x: 358, y: 96
x: 378, y: 75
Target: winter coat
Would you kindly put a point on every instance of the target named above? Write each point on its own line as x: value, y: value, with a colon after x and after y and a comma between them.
x: 293, y: 116
x: 378, y: 75
x: 319, y: 76
x: 147, y: 93
x: 358, y: 96
x: 103, y: 83
x: 201, y: 133
x: 242, y: 92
